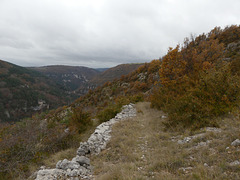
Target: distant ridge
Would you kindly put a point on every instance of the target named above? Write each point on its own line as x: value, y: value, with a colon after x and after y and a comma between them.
x: 71, y: 77
x: 115, y: 72
x: 78, y: 80
x: 101, y: 69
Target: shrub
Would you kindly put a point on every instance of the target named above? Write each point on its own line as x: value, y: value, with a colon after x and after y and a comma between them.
x: 80, y: 120
x: 137, y: 98
x: 188, y: 111
x: 235, y: 66
x: 141, y: 86
x: 215, y: 94
x: 197, y: 82
x: 124, y: 100
x: 108, y: 113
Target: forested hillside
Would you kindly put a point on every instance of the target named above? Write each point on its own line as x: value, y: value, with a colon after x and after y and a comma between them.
x: 78, y: 80
x: 71, y: 77
x: 194, y: 83
x: 24, y: 92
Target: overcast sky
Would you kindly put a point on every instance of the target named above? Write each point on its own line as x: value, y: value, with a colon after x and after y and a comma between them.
x: 104, y: 33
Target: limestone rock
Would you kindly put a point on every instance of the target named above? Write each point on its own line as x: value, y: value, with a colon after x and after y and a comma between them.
x: 236, y: 143
x: 190, y: 138
x: 52, y: 174
x: 213, y: 129
x: 83, y: 149
x: 82, y: 160
x: 66, y: 164
x: 235, y: 163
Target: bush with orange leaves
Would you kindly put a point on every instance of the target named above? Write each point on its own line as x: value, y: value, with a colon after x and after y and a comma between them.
x: 196, y: 84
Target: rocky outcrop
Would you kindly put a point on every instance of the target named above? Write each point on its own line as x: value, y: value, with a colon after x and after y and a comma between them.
x: 79, y: 167
x: 190, y: 138
x: 236, y: 143
x: 234, y: 163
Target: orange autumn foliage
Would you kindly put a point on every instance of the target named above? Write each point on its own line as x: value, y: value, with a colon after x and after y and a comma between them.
x: 172, y: 68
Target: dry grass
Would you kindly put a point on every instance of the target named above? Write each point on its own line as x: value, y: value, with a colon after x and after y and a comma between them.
x: 140, y: 148
x: 52, y: 160
x: 65, y: 154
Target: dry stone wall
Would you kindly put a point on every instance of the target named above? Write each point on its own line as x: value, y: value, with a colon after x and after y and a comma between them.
x: 79, y: 167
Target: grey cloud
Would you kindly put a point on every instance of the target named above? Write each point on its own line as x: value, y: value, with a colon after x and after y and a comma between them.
x: 103, y: 33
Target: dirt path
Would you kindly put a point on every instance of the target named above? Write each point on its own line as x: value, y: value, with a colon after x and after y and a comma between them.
x: 129, y: 153
x: 141, y: 149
